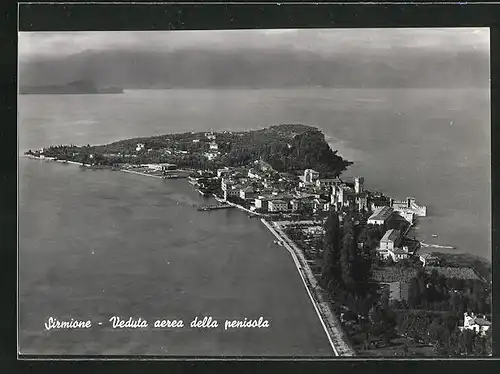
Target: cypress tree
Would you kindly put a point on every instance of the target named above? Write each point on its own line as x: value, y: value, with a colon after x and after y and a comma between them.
x: 331, y: 249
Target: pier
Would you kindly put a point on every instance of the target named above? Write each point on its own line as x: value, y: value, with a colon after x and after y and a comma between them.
x: 213, y: 207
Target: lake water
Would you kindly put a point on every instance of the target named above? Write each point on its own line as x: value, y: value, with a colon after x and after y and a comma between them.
x: 99, y: 243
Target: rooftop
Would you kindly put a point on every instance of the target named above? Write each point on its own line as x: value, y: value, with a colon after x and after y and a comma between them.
x: 381, y: 213
x: 399, y: 251
x: 390, y: 235
x: 482, y: 321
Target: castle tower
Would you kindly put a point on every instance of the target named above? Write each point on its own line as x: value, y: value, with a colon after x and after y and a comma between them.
x: 359, y: 184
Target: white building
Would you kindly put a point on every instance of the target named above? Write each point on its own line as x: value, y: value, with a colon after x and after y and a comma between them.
x: 295, y: 204
x: 361, y: 201
x: 325, y: 183
x: 380, y: 215
x: 342, y: 195
x: 139, y: 147
x: 389, y: 242
x: 246, y: 193
x: 226, y: 183
x: 359, y: 183
x: 222, y: 172
x: 409, y: 205
x: 321, y: 205
x: 261, y: 202
x: 156, y: 167
x: 310, y: 175
x: 278, y: 206
x: 476, y: 323
x: 254, y: 174
x: 214, y: 146
x: 398, y: 254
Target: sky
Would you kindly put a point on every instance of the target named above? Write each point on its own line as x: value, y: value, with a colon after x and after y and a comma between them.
x: 320, y: 41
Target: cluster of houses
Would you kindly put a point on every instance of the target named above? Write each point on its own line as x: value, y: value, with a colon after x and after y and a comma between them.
x: 260, y: 188
x: 267, y: 191
x: 272, y: 192
x: 392, y: 244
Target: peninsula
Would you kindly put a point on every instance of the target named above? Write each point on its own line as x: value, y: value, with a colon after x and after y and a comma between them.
x: 375, y: 293
x: 72, y: 88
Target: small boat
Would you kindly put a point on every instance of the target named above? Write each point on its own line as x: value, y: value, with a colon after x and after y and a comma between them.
x: 434, y: 235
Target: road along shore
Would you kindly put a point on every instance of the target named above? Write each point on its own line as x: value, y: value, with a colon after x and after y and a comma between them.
x: 329, y: 321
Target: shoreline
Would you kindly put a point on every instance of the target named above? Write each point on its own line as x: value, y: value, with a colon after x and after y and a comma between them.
x: 327, y: 318
x: 429, y: 247
x: 55, y: 160
x: 329, y: 321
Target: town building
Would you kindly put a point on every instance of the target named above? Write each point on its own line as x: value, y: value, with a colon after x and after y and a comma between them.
x: 359, y: 185
x: 479, y: 324
x: 409, y: 205
x: 295, y: 205
x: 139, y: 147
x: 361, y: 200
x: 389, y: 242
x: 255, y: 174
x: 233, y: 191
x: 379, y: 202
x: 223, y: 172
x: 262, y: 202
x: 226, y: 183
x: 310, y: 176
x: 342, y: 195
x: 380, y: 216
x: 321, y: 205
x: 247, y: 193
x: 398, y: 254
x: 325, y: 183
x: 278, y: 206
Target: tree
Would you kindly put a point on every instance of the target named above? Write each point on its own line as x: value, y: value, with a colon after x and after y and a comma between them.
x: 348, y: 256
x: 331, y: 248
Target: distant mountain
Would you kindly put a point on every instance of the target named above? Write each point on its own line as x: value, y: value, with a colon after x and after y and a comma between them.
x: 262, y: 68
x: 75, y: 87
